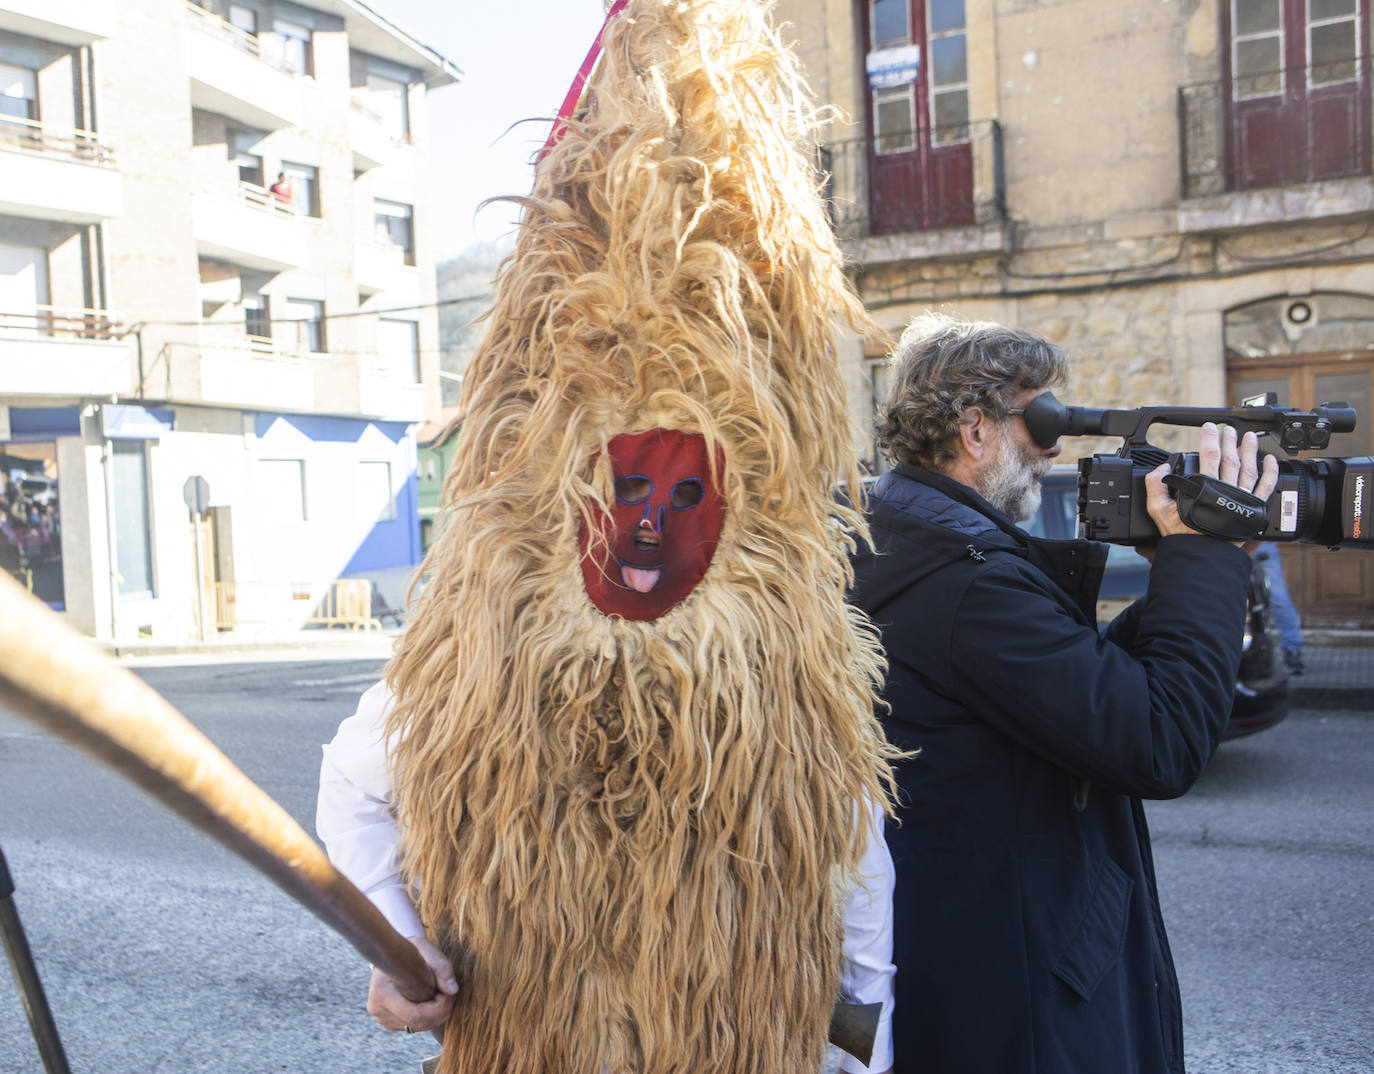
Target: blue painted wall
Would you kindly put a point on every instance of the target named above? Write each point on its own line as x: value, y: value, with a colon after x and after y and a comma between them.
x: 390, y: 544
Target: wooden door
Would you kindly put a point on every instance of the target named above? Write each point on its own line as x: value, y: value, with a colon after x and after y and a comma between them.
x: 1330, y: 588
x: 919, y: 139
x: 1297, y: 78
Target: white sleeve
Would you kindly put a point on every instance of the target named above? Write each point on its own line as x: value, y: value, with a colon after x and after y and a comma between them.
x: 868, y: 971
x: 353, y: 815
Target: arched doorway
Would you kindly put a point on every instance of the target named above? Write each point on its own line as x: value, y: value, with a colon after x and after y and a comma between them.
x: 1314, y: 349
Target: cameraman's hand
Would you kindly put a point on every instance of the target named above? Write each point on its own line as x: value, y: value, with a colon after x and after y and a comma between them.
x: 1217, y: 457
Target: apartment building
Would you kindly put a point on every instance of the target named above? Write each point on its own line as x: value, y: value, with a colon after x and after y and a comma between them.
x: 214, y: 265
x: 1177, y: 191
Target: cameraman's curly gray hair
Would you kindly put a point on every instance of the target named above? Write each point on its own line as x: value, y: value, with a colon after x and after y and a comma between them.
x: 942, y: 367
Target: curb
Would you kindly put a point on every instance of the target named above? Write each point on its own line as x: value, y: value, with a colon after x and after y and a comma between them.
x: 362, y: 645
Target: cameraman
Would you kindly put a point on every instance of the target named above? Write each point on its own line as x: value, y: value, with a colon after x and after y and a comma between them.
x: 1028, y: 935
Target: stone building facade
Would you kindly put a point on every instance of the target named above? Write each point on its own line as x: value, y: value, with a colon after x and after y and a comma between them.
x: 1177, y: 191
x: 215, y: 263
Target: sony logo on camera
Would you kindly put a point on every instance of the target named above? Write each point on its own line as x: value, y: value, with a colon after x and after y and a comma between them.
x: 1240, y: 509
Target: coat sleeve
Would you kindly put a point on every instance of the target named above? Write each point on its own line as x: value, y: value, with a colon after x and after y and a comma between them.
x: 1141, y: 720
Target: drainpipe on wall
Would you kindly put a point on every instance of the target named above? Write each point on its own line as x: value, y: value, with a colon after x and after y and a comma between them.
x: 107, y: 464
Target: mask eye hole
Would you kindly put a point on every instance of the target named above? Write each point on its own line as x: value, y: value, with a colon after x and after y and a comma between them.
x: 633, y: 489
x: 687, y: 493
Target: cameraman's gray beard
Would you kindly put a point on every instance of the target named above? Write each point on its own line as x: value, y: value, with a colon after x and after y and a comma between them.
x: 1010, y: 485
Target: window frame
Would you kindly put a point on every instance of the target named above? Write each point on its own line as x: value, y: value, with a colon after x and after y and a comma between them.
x: 388, y: 360
x: 304, y: 489
x: 144, y: 521
x: 304, y: 178
x: 312, y: 339
x: 306, y: 41
x: 27, y: 77
x: 382, y: 221
x: 1354, y: 61
x: 1237, y: 38
x: 390, y: 511
x: 934, y: 90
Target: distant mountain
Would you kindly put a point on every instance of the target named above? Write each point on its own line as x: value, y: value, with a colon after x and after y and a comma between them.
x: 465, y: 283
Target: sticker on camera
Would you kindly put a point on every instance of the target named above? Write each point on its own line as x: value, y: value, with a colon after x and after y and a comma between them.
x: 1288, y: 511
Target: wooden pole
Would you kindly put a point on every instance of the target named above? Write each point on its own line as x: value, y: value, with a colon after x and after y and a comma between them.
x: 54, y: 677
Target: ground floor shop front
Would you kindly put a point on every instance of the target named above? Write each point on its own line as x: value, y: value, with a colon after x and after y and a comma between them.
x: 184, y: 522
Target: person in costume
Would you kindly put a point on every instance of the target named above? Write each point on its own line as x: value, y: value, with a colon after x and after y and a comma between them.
x: 630, y: 741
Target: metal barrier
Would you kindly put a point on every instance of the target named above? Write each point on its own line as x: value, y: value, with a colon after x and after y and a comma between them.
x: 274, y: 607
x: 347, y: 603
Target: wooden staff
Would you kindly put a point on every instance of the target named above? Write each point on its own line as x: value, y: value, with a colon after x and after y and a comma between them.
x: 59, y: 680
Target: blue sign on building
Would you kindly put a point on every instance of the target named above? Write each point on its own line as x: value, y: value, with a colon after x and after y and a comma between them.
x: 898, y: 66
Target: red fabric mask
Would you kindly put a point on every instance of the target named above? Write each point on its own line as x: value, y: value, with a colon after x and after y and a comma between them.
x: 661, y: 530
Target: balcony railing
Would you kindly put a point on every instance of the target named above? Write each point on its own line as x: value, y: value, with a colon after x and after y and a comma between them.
x: 32, y: 136
x: 52, y: 322
x: 1276, y: 128
x: 210, y: 23
x: 262, y: 199
x: 927, y: 180
x: 289, y: 340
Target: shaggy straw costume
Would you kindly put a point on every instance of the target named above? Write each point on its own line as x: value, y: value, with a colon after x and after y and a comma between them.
x: 629, y: 834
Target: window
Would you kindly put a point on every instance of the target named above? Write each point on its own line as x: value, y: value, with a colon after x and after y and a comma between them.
x: 256, y: 323
x: 23, y: 289
x: 890, y: 24
x: 244, y: 18
x: 879, y: 382
x: 1333, y: 41
x: 388, y: 99
x: 398, y: 346
x: 292, y: 46
x: 308, y: 329
x: 375, y: 499
x: 395, y: 226
x: 948, y: 72
x: 18, y: 102
x: 280, y: 490
x: 894, y: 119
x: 304, y: 180
x: 1257, y: 41
x: 250, y: 168
x: 133, y: 523
x: 242, y: 144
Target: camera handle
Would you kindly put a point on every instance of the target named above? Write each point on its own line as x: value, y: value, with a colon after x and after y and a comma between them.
x: 1211, y: 506
x: 1047, y: 419
x: 26, y: 979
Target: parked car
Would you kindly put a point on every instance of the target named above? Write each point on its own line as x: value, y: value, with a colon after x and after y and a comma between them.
x: 1261, y: 697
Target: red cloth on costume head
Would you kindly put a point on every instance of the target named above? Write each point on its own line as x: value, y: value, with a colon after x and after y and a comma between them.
x: 659, y: 534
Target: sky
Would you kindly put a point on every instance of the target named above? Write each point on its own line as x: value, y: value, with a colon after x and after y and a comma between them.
x: 518, y: 58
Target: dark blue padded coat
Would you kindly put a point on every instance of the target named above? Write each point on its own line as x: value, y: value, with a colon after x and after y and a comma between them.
x: 1028, y: 934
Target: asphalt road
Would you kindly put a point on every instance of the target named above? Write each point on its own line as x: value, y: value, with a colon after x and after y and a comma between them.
x: 161, y: 952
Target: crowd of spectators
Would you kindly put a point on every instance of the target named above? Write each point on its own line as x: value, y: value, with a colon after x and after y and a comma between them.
x: 30, y: 530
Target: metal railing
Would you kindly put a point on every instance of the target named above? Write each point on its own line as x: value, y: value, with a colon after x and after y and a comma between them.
x: 952, y: 178
x: 34, y: 137
x: 364, y: 110
x: 1277, y: 128
x: 51, y: 321
x: 212, y: 24
x: 262, y: 199
x: 346, y: 603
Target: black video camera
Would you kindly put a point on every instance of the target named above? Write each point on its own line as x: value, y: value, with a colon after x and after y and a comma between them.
x: 1317, y: 501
